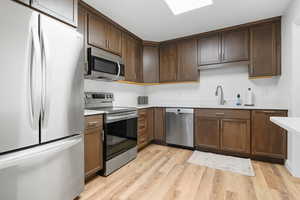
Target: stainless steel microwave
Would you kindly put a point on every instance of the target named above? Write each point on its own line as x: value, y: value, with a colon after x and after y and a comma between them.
x: 104, y: 66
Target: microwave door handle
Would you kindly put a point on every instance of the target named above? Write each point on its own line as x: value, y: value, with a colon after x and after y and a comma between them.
x: 119, y: 70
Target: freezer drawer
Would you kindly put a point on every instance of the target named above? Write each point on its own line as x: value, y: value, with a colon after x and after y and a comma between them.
x: 48, y: 172
x: 180, y: 127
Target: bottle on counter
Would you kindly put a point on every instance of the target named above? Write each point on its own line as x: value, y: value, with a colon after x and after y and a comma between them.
x: 249, y: 98
x: 238, y: 100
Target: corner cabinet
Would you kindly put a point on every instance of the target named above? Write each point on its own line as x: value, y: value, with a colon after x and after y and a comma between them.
x: 150, y: 63
x: 131, y: 54
x: 265, y: 49
x: 168, y: 62
x: 268, y: 139
x: 64, y: 10
x: 93, y: 145
x: 223, y: 130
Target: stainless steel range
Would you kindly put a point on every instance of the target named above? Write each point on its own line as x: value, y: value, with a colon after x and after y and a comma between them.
x: 120, y: 130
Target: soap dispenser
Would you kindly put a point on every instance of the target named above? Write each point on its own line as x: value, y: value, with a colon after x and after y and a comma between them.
x: 238, y: 100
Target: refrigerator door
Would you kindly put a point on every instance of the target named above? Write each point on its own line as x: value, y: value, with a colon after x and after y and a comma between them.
x: 52, y: 171
x: 20, y: 80
x: 62, y: 99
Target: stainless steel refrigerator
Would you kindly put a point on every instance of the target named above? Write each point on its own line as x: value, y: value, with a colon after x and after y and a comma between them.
x: 41, y: 106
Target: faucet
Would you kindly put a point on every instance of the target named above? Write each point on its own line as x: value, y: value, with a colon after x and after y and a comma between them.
x: 220, y: 95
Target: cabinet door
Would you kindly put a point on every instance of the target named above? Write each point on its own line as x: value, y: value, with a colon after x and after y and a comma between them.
x: 207, y: 132
x: 209, y: 50
x: 65, y: 10
x: 142, y: 128
x: 187, y: 60
x: 150, y: 123
x: 114, y: 37
x: 150, y: 64
x: 235, y: 135
x: 168, y: 62
x: 131, y: 56
x: 268, y: 139
x: 159, y: 125
x: 93, y: 151
x: 235, y: 45
x: 265, y: 50
x: 97, y: 31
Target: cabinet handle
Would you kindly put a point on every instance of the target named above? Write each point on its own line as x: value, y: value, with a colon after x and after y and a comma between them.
x: 92, y: 124
x: 220, y: 113
x: 103, y: 135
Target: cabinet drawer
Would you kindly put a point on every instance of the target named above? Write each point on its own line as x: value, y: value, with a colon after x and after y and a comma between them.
x: 223, y: 113
x: 94, y: 121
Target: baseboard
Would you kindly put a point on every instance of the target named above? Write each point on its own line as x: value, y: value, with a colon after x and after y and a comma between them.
x: 289, y: 168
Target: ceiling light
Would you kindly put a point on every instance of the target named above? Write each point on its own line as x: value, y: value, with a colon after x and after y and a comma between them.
x: 182, y: 6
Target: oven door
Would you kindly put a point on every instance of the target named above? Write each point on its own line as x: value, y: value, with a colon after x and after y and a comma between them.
x: 120, y: 134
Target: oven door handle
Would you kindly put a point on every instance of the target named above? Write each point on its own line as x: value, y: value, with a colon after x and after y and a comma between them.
x: 120, y: 118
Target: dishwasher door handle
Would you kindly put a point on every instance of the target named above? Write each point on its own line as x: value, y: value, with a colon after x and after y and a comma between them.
x: 180, y: 110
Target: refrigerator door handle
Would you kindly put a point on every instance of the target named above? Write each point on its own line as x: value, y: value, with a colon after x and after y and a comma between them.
x: 44, y: 77
x: 18, y: 158
x: 34, y: 78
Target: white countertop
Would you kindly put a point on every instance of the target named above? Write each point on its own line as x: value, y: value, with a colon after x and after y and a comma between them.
x: 215, y: 106
x: 92, y: 112
x: 288, y: 123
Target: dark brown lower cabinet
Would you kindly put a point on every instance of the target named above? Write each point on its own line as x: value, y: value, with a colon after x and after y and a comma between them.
x: 268, y: 139
x: 159, y: 125
x: 235, y: 135
x: 207, y: 132
x: 145, y: 127
x: 93, y: 145
x: 223, y: 130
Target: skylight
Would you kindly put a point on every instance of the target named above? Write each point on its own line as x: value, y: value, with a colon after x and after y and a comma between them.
x: 182, y: 6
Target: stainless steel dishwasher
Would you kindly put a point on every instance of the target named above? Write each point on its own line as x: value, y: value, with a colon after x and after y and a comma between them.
x: 180, y: 127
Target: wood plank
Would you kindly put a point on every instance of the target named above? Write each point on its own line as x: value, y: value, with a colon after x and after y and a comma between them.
x: 161, y: 172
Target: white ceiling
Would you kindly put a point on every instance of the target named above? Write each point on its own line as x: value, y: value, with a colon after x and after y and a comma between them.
x: 153, y: 20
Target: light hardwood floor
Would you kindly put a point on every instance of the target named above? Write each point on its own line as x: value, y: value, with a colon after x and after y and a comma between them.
x: 161, y: 172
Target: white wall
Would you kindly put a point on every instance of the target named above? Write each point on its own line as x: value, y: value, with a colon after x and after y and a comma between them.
x: 234, y: 79
x: 125, y: 94
x: 291, y: 63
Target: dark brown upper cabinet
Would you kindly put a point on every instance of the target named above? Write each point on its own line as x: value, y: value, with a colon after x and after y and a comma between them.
x: 268, y: 139
x: 187, y: 60
x: 114, y: 38
x: 104, y: 35
x: 131, y: 54
x: 64, y: 10
x: 209, y: 50
x: 235, y: 45
x: 150, y: 64
x: 97, y: 31
x: 265, y: 50
x: 168, y: 62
